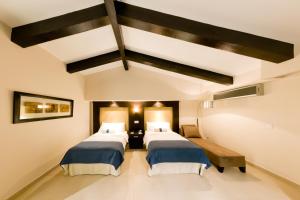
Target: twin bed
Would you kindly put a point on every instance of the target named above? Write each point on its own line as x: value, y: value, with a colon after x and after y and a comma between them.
x: 170, y: 153
x: 103, y: 152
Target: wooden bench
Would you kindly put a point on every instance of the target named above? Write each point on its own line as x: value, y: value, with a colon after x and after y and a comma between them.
x: 220, y: 156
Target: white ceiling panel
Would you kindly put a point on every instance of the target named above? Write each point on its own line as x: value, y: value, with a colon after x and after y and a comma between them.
x: 20, y: 12
x: 82, y: 45
x: 171, y: 74
x: 188, y: 53
x: 102, y: 68
x: 276, y: 19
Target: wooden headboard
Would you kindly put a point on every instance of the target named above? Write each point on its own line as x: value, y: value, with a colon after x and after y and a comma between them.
x: 158, y: 114
x: 114, y: 114
x: 136, y: 116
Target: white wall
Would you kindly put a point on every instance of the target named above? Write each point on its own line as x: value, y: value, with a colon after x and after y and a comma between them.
x: 28, y: 150
x: 140, y: 84
x: 270, y: 70
x: 265, y: 129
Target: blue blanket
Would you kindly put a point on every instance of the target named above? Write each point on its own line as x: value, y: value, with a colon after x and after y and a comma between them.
x: 95, y: 152
x: 161, y: 151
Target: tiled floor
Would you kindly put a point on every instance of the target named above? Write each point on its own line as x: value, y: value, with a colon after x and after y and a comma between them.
x: 134, y: 184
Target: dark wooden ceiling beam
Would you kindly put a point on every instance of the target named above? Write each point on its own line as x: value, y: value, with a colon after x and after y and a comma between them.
x: 110, y: 8
x: 179, y: 68
x: 204, y: 34
x: 151, y: 61
x: 93, y: 62
x: 60, y: 26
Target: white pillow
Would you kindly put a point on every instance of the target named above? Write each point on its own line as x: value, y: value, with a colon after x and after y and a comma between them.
x: 164, y: 125
x: 106, y: 131
x: 152, y: 126
x: 107, y: 127
x: 160, y: 130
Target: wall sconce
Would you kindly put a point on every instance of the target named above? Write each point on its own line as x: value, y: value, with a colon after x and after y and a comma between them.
x: 136, y: 109
x: 114, y: 104
x: 158, y: 104
x: 208, y: 104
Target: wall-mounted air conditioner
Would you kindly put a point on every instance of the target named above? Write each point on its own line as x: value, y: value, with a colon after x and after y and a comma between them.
x: 253, y: 90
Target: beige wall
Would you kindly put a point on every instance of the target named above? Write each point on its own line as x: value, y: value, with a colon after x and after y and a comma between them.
x: 28, y: 150
x: 265, y: 129
x: 188, y: 111
x: 139, y: 84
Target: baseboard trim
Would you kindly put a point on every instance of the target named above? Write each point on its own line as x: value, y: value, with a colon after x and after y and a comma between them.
x: 273, y: 174
x: 32, y: 183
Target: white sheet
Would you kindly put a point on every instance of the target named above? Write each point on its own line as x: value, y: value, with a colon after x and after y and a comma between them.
x: 114, y: 137
x: 91, y: 168
x: 177, y: 168
x: 97, y: 168
x: 152, y: 136
x: 174, y: 167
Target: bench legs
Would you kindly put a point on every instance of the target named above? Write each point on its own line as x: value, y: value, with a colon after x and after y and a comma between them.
x: 242, y: 169
x: 220, y: 169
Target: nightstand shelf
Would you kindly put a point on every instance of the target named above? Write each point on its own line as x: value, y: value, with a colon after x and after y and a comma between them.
x: 136, y: 140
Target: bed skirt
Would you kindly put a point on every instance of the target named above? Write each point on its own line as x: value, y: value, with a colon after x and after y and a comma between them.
x: 177, y: 168
x: 95, y: 168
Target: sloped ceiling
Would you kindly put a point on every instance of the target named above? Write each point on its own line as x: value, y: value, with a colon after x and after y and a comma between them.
x: 275, y: 19
x: 141, y: 83
x: 270, y: 18
x: 16, y: 13
x: 188, y: 53
x: 83, y: 45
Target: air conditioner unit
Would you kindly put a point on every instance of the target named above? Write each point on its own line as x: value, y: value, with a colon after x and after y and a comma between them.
x: 253, y: 90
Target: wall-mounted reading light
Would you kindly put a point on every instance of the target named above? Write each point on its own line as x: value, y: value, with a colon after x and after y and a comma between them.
x: 114, y: 104
x: 136, y: 109
x: 158, y: 104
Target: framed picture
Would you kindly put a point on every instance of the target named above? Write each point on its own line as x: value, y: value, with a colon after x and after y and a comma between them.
x: 33, y: 107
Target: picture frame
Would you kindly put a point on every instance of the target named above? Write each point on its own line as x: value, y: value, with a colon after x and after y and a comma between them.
x: 29, y: 107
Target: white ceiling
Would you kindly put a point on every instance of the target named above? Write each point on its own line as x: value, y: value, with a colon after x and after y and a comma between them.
x: 270, y: 18
x: 188, y: 53
x: 171, y: 74
x: 277, y: 19
x: 19, y: 12
x: 83, y: 45
x: 102, y: 68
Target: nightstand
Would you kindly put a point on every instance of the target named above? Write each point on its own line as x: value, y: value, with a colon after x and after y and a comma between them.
x: 136, y: 140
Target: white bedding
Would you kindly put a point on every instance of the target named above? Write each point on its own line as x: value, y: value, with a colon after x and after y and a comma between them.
x: 169, y: 135
x: 171, y: 168
x: 97, y: 168
x: 114, y: 137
